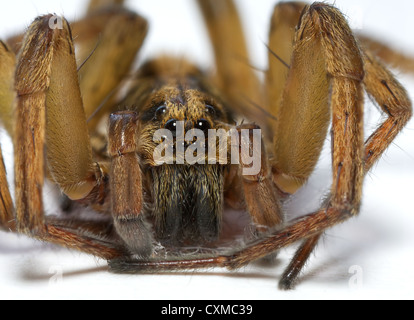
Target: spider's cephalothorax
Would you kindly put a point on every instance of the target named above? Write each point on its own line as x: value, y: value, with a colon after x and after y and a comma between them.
x: 317, y: 74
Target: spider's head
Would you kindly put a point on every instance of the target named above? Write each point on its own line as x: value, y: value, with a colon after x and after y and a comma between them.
x: 175, y: 103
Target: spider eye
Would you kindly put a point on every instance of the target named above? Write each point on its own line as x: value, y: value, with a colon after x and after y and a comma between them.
x: 159, y: 113
x: 210, y: 110
x: 203, y: 125
x: 172, y: 126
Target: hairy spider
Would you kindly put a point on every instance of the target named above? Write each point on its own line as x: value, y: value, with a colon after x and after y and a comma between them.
x: 169, y: 216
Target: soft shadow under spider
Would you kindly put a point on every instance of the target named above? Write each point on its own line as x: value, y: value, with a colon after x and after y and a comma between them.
x: 27, y: 274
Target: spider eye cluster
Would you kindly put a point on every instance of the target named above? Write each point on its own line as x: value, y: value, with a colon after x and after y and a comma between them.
x: 171, y: 124
x: 162, y: 110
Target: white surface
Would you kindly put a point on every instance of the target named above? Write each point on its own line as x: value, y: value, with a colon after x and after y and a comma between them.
x: 379, y: 243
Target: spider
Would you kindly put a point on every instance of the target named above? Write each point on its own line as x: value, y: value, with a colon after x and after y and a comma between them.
x: 57, y: 95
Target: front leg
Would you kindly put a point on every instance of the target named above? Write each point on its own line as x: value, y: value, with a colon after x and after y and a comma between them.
x: 126, y: 184
x: 49, y: 115
x: 46, y: 77
x: 255, y: 174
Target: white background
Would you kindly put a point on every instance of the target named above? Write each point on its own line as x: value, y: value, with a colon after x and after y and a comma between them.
x: 379, y: 244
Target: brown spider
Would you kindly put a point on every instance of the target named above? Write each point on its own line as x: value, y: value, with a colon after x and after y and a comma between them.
x: 317, y: 75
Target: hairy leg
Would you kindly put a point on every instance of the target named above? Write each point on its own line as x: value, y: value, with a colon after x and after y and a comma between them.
x: 7, y: 96
x: 107, y: 41
x: 49, y: 113
x: 7, y: 93
x: 388, y: 54
x: 235, y: 77
x: 95, y: 5
x: 281, y: 35
x: 126, y: 184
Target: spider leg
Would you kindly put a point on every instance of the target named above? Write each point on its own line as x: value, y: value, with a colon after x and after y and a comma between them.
x: 301, y: 108
x: 389, y: 55
x: 107, y: 42
x: 235, y: 76
x: 46, y: 78
x: 389, y: 94
x: 99, y: 4
x: 284, y: 20
x: 258, y: 191
x: 92, y: 237
x: 126, y: 184
x: 321, y: 29
x: 304, y: 110
x: 7, y: 93
x: 393, y: 101
x: 7, y: 221
x: 7, y: 96
x: 46, y: 84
